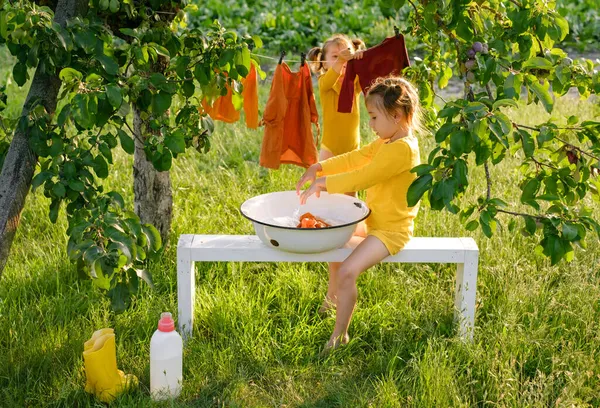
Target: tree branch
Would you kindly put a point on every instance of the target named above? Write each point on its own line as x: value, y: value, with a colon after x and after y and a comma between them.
x: 489, y: 180
x: 539, y: 163
x: 516, y: 3
x: 579, y: 149
x: 415, y: 7
x: 518, y: 214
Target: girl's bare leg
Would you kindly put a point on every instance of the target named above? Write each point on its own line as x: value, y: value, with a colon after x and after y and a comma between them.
x: 330, y: 300
x: 368, y: 253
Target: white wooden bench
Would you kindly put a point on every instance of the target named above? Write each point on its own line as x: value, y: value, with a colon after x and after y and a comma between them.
x: 248, y: 248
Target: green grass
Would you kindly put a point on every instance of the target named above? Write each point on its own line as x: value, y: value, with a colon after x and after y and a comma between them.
x: 257, y: 335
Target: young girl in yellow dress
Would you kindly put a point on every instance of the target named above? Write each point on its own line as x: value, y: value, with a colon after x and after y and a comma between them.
x: 341, y: 131
x: 383, y: 169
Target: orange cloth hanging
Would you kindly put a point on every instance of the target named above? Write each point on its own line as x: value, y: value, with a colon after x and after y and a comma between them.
x: 250, y: 95
x: 222, y: 109
x: 290, y: 110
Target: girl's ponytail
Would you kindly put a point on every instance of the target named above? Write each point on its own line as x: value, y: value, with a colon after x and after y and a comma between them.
x: 358, y: 44
x: 314, y: 56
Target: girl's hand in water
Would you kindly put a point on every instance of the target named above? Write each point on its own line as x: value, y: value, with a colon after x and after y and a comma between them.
x: 315, y: 188
x: 309, y: 176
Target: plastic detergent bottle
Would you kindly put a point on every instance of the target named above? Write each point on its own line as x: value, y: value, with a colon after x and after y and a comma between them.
x: 166, y: 360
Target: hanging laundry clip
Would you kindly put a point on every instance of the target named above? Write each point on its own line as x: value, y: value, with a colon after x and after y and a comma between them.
x: 281, y: 56
x: 396, y: 32
x: 302, y: 59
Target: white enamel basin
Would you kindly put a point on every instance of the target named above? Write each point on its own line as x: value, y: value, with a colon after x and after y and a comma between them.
x: 268, y: 213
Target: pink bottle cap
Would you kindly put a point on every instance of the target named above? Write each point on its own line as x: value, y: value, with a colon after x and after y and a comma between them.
x: 166, y: 322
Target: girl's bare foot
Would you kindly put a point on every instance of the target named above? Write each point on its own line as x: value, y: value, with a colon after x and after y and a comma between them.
x: 328, y: 304
x: 335, y: 342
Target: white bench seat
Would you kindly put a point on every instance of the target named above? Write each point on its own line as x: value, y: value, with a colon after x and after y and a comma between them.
x: 249, y: 248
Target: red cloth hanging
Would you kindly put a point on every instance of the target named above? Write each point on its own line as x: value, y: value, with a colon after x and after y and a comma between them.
x: 388, y: 58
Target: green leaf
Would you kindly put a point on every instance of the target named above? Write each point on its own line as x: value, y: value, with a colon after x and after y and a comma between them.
x: 444, y: 78
x: 562, y: 25
x: 505, y: 123
x: 537, y: 63
x: 201, y: 75
x: 512, y: 86
x: 176, y: 141
x: 530, y: 189
x: 505, y: 102
x: 498, y: 202
x: 20, y: 73
x: 114, y: 6
x: 226, y: 57
x: 530, y: 225
x: 100, y: 167
x: 498, y: 131
x: 120, y: 298
x: 69, y: 74
x: 110, y: 65
x: 81, y: 112
x: 59, y: 190
x: 86, y: 39
x: 543, y: 94
x: 106, y: 152
x: 444, y: 131
x: 485, y: 227
x: 158, y: 80
x: 257, y: 41
x: 154, y: 239
x: 418, y: 188
x: 145, y: 276
x: 76, y: 185
x: 126, y: 142
x: 114, y: 95
x: 527, y: 142
x: 458, y: 142
x: 161, y: 101
x: 53, y: 213
x: 162, y: 161
x: 472, y: 225
x: 569, y: 232
x: 459, y: 172
x: 40, y: 179
x: 422, y: 169
x: 188, y: 88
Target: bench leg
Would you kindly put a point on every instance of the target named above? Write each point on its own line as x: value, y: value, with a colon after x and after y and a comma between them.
x: 186, y: 292
x: 465, y: 295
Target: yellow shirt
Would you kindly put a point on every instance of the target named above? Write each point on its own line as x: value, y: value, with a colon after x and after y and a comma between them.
x: 341, y: 131
x: 383, y: 169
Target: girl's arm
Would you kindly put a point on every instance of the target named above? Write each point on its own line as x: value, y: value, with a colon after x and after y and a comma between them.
x: 351, y: 160
x: 390, y: 161
x: 338, y: 164
x: 330, y: 81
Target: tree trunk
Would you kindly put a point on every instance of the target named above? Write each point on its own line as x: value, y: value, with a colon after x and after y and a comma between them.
x: 153, y: 199
x: 20, y: 162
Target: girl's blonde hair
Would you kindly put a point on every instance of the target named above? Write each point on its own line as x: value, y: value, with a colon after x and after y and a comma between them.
x: 394, y: 94
x: 317, y: 54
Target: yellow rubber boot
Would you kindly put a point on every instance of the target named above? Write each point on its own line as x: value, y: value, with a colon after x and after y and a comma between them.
x: 103, y: 377
x: 88, y: 345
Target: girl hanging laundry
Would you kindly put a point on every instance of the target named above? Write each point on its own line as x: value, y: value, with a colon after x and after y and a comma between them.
x: 341, y: 131
x: 288, y: 118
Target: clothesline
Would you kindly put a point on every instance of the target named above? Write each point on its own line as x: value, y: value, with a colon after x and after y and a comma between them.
x: 277, y: 58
